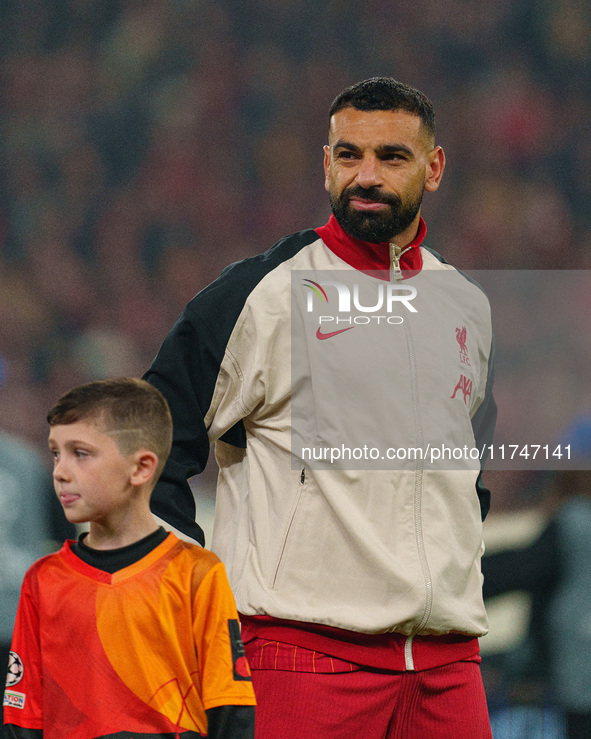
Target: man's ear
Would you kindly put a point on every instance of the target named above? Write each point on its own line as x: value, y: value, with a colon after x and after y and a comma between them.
x: 435, y: 167
x: 326, y: 167
x: 145, y: 463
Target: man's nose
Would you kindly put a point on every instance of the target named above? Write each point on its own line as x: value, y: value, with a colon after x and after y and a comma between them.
x: 368, y: 174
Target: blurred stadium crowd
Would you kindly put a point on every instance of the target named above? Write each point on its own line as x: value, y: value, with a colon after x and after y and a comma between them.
x: 145, y: 144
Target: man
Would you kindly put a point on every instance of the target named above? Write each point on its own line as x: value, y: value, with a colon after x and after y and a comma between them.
x: 358, y: 582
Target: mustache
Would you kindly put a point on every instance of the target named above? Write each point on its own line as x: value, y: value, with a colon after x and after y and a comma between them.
x: 369, y: 193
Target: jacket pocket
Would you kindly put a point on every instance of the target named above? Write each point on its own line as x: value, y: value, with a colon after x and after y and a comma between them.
x: 289, y: 532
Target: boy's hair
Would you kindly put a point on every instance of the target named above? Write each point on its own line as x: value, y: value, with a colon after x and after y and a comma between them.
x: 134, y: 411
x: 386, y: 93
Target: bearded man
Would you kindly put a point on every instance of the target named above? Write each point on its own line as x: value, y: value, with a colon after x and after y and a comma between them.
x: 327, y: 371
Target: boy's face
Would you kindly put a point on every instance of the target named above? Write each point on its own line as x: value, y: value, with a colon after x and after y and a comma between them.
x: 92, y: 478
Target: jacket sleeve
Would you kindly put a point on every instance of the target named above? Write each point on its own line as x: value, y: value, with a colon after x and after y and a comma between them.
x: 187, y: 369
x: 176, y: 372
x: 483, y: 426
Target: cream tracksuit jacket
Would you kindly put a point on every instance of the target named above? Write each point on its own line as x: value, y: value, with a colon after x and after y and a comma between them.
x: 391, y: 548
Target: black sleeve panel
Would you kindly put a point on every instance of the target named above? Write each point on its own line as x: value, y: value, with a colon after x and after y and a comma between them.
x: 16, y: 732
x: 534, y: 569
x: 483, y: 426
x: 230, y: 722
x: 186, y: 371
x: 180, y: 371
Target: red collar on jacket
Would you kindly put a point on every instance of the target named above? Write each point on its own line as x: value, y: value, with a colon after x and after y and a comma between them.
x: 368, y: 257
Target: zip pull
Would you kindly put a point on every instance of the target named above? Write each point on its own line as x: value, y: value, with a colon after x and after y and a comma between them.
x: 395, y: 253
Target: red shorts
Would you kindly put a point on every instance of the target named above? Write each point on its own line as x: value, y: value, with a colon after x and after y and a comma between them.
x: 304, y: 694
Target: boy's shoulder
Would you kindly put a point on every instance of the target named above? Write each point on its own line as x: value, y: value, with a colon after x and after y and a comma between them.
x: 195, y: 556
x: 202, y: 565
x: 53, y: 559
x: 196, y: 551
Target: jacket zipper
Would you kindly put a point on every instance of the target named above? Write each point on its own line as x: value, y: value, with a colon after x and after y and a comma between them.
x: 395, y: 253
x: 418, y: 490
x: 289, y: 527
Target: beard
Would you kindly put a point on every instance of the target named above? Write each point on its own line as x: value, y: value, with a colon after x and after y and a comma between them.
x: 374, y: 226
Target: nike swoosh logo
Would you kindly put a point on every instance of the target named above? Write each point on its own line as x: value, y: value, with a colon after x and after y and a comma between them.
x: 320, y: 335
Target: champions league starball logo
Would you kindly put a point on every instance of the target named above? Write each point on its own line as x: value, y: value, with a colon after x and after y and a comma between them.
x: 15, y: 670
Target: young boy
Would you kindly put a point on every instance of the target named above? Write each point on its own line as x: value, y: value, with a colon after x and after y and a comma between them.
x: 128, y: 632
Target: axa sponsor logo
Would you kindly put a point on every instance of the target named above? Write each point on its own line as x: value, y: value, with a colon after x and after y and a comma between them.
x: 351, y: 310
x: 464, y: 385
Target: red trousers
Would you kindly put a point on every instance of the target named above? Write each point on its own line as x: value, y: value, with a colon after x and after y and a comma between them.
x: 442, y: 703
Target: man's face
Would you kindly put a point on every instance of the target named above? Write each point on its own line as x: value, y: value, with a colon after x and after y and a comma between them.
x: 377, y: 165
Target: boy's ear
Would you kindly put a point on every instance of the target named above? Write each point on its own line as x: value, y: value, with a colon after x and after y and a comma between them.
x: 144, y: 468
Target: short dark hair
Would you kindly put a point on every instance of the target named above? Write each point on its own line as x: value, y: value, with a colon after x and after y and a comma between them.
x: 386, y: 93
x: 133, y: 411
